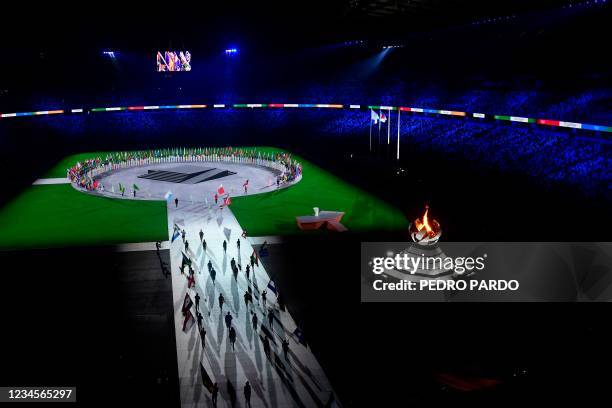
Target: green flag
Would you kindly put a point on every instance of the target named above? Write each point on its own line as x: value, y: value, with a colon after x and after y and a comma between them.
x: 135, y: 187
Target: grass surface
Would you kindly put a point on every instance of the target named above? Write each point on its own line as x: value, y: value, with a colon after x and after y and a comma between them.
x: 58, y: 215
x: 274, y: 213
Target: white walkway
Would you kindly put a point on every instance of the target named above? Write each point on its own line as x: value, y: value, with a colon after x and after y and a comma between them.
x: 275, y: 381
x: 45, y: 181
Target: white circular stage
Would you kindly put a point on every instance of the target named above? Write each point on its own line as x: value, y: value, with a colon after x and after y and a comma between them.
x: 189, y: 181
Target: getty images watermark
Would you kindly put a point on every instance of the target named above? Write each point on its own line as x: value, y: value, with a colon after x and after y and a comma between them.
x: 485, y: 271
x: 423, y: 266
x: 434, y: 272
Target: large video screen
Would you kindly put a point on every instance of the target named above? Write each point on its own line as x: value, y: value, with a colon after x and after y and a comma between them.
x: 173, y: 61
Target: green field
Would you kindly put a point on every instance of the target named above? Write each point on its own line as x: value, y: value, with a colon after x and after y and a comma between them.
x: 59, y: 215
x: 274, y: 213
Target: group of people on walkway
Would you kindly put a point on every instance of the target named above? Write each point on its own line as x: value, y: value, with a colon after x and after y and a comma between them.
x: 228, y: 317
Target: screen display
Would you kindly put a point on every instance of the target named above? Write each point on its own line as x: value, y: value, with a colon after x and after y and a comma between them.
x: 171, y: 61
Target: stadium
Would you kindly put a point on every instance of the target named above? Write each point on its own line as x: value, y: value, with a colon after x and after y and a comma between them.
x: 188, y: 204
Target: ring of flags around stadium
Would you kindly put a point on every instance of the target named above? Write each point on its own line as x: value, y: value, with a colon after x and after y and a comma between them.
x: 474, y: 115
x: 83, y: 174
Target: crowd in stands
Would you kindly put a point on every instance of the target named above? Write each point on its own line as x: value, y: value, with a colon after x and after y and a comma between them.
x: 548, y: 155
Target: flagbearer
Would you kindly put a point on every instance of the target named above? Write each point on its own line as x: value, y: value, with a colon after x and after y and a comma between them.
x: 232, y: 337
x: 215, y: 393
x: 203, y: 336
x: 271, y: 318
x: 221, y: 301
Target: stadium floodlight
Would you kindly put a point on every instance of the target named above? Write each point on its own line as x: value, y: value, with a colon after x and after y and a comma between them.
x: 110, y: 54
x: 231, y: 51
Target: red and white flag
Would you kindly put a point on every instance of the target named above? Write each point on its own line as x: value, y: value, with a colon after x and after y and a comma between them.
x: 227, y: 200
x: 188, y: 322
x: 187, y: 303
x: 221, y: 190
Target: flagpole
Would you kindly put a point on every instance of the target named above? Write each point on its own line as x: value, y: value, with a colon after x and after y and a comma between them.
x: 388, y: 131
x: 370, y: 133
x: 389, y: 128
x: 379, y: 124
x: 398, y: 131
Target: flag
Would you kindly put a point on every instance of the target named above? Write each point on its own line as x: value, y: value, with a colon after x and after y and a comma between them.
x: 255, y: 257
x: 188, y: 322
x: 206, y: 381
x: 374, y: 116
x: 135, y: 187
x: 168, y: 196
x: 383, y: 117
x: 300, y: 335
x: 227, y: 200
x: 121, y: 187
x: 187, y: 303
x: 221, y: 190
x: 263, y: 252
x: 246, y: 183
x: 177, y: 233
x: 186, y: 259
x: 272, y: 287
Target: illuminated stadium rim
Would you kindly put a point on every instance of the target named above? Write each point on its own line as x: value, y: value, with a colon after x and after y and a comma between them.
x: 521, y: 119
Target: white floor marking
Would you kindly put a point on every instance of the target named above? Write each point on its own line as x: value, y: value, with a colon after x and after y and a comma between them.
x: 45, y: 181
